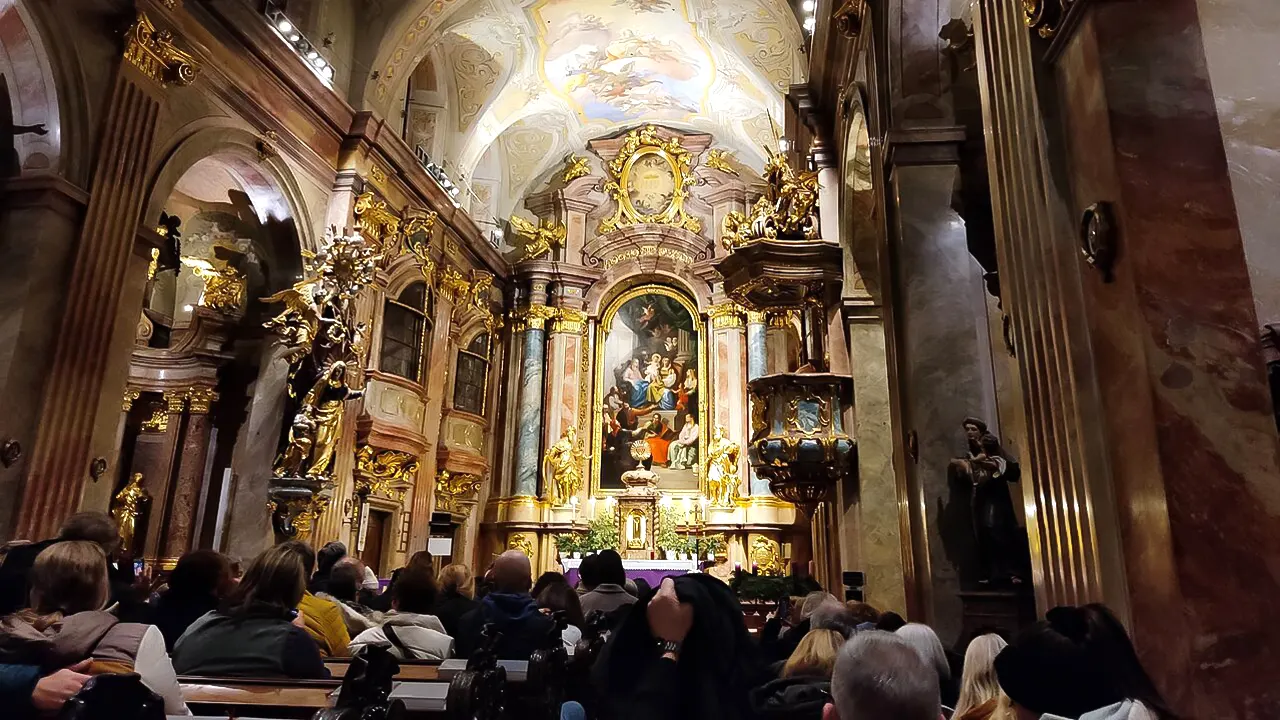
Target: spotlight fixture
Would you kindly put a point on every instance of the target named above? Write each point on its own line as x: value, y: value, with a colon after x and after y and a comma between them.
x: 809, y: 6
x: 784, y: 144
x: 809, y: 23
x: 284, y: 26
x: 290, y: 34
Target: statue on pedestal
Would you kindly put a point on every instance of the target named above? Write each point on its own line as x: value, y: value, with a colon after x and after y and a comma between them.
x: 986, y: 470
x: 722, y: 469
x: 313, y: 438
x: 127, y: 509
x: 564, y: 462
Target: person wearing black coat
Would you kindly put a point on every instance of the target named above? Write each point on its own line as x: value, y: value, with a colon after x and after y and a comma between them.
x: 791, y: 698
x: 199, y: 582
x: 683, y: 652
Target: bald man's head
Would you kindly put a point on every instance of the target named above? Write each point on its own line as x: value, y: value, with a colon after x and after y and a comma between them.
x: 511, y: 572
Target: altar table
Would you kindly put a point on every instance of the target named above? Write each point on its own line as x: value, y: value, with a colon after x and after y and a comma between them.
x: 651, y: 570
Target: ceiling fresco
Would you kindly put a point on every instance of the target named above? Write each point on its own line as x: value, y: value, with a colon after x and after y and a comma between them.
x: 582, y: 69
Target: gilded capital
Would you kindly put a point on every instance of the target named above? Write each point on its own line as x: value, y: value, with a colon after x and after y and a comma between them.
x: 532, y: 317
x: 725, y: 315
x: 783, y: 318
x: 201, y: 399
x: 175, y: 399
x: 153, y: 52
x: 756, y: 318
x: 453, y: 285
x: 130, y: 395
x: 569, y: 321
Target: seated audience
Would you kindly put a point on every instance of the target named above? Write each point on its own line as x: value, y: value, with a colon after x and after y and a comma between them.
x: 778, y: 642
x: 1078, y: 663
x: 382, y: 602
x: 409, y: 630
x: 65, y: 624
x: 831, y: 614
x: 323, y: 618
x: 890, y: 621
x: 608, y: 595
x: 512, y: 611
x: 94, y: 527
x: 864, y: 616
x: 547, y: 579
x: 877, y: 676
x: 926, y: 642
x: 703, y: 665
x: 979, y: 688
x: 457, y: 596
x: 25, y: 694
x: 560, y: 597
x: 329, y: 555
x: 804, y: 687
x: 198, y: 583
x: 643, y: 588
x: 344, y: 591
x: 588, y: 574
x: 257, y: 631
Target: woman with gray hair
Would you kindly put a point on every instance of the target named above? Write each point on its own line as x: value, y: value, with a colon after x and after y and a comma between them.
x: 926, y: 643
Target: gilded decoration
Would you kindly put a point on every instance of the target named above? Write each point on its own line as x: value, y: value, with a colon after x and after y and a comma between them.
x: 1043, y: 16
x: 718, y: 159
x: 159, y: 420
x: 722, y: 469
x: 319, y: 329
x: 457, y: 493
x: 649, y: 181
x: 175, y: 400
x: 766, y: 556
x: 521, y: 542
x: 569, y: 321
x: 127, y: 509
x: 532, y: 317
x: 388, y: 473
x: 153, y: 52
x: 201, y: 399
x: 562, y: 467
x: 679, y: 257
x: 651, y: 388
x: 786, y: 211
x: 542, y: 238
x: 575, y: 167
x: 452, y: 285
x: 391, y: 233
x: 725, y: 315
x: 224, y: 285
x: 130, y: 395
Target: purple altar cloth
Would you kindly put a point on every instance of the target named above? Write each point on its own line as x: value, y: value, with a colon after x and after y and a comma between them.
x: 651, y: 570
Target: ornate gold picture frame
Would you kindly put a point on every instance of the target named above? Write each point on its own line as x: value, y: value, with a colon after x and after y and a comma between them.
x: 646, y: 171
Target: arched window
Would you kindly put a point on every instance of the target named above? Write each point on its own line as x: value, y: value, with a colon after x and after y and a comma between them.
x: 472, y: 375
x: 406, y: 332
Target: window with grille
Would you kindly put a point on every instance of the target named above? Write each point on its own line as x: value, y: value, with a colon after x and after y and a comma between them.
x: 406, y: 333
x: 472, y: 375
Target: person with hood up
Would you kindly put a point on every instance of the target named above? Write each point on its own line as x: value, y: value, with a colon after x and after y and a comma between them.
x: 683, y: 653
x: 409, y: 630
x: 804, y: 687
x: 66, y: 625
x: 511, y: 609
x: 1078, y: 663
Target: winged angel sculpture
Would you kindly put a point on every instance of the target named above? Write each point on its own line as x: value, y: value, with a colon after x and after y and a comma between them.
x: 543, y: 237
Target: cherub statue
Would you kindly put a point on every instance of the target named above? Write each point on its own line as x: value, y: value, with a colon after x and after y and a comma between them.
x: 722, y: 469
x: 564, y: 467
x: 299, y: 323
x: 543, y: 237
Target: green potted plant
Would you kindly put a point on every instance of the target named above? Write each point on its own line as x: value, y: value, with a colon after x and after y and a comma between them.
x: 668, y: 540
x: 714, y: 545
x: 569, y: 545
x: 602, y: 532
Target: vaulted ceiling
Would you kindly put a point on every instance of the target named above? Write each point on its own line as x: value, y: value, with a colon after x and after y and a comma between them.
x: 524, y: 84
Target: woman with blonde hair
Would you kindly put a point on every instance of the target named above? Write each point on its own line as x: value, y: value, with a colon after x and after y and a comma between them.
x: 979, y: 688
x: 457, y: 596
x: 65, y: 624
x: 804, y: 686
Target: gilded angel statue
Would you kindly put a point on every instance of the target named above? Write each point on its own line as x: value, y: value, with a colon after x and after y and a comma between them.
x: 722, y: 469
x: 543, y: 237
x: 299, y: 323
x: 313, y: 438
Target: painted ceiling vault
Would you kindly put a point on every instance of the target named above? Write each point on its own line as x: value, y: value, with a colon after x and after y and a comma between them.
x: 531, y: 82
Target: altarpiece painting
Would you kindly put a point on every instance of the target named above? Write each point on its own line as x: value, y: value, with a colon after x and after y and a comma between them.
x: 649, y: 369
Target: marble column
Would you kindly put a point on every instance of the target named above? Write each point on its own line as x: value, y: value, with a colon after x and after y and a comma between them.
x: 179, y: 527
x: 60, y: 455
x: 728, y: 369
x: 528, y: 451
x: 156, y: 457
x: 567, y: 382
x: 757, y: 365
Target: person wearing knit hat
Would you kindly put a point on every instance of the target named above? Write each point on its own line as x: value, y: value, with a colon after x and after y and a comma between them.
x: 1078, y: 663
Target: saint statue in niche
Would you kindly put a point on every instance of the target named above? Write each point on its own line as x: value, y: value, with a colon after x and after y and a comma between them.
x: 651, y: 386
x: 986, y: 472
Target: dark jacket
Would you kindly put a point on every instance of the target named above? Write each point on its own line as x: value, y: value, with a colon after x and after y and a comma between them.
x: 606, y: 597
x: 17, y: 682
x: 778, y: 647
x: 450, y: 607
x: 718, y: 665
x: 524, y: 628
x: 257, y: 642
x: 795, y: 698
x: 174, y: 612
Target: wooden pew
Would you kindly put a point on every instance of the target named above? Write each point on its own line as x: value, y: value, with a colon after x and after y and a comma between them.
x: 416, y: 670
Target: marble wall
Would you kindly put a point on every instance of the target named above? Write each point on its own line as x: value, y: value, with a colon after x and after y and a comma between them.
x: 944, y: 371
x: 1242, y: 54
